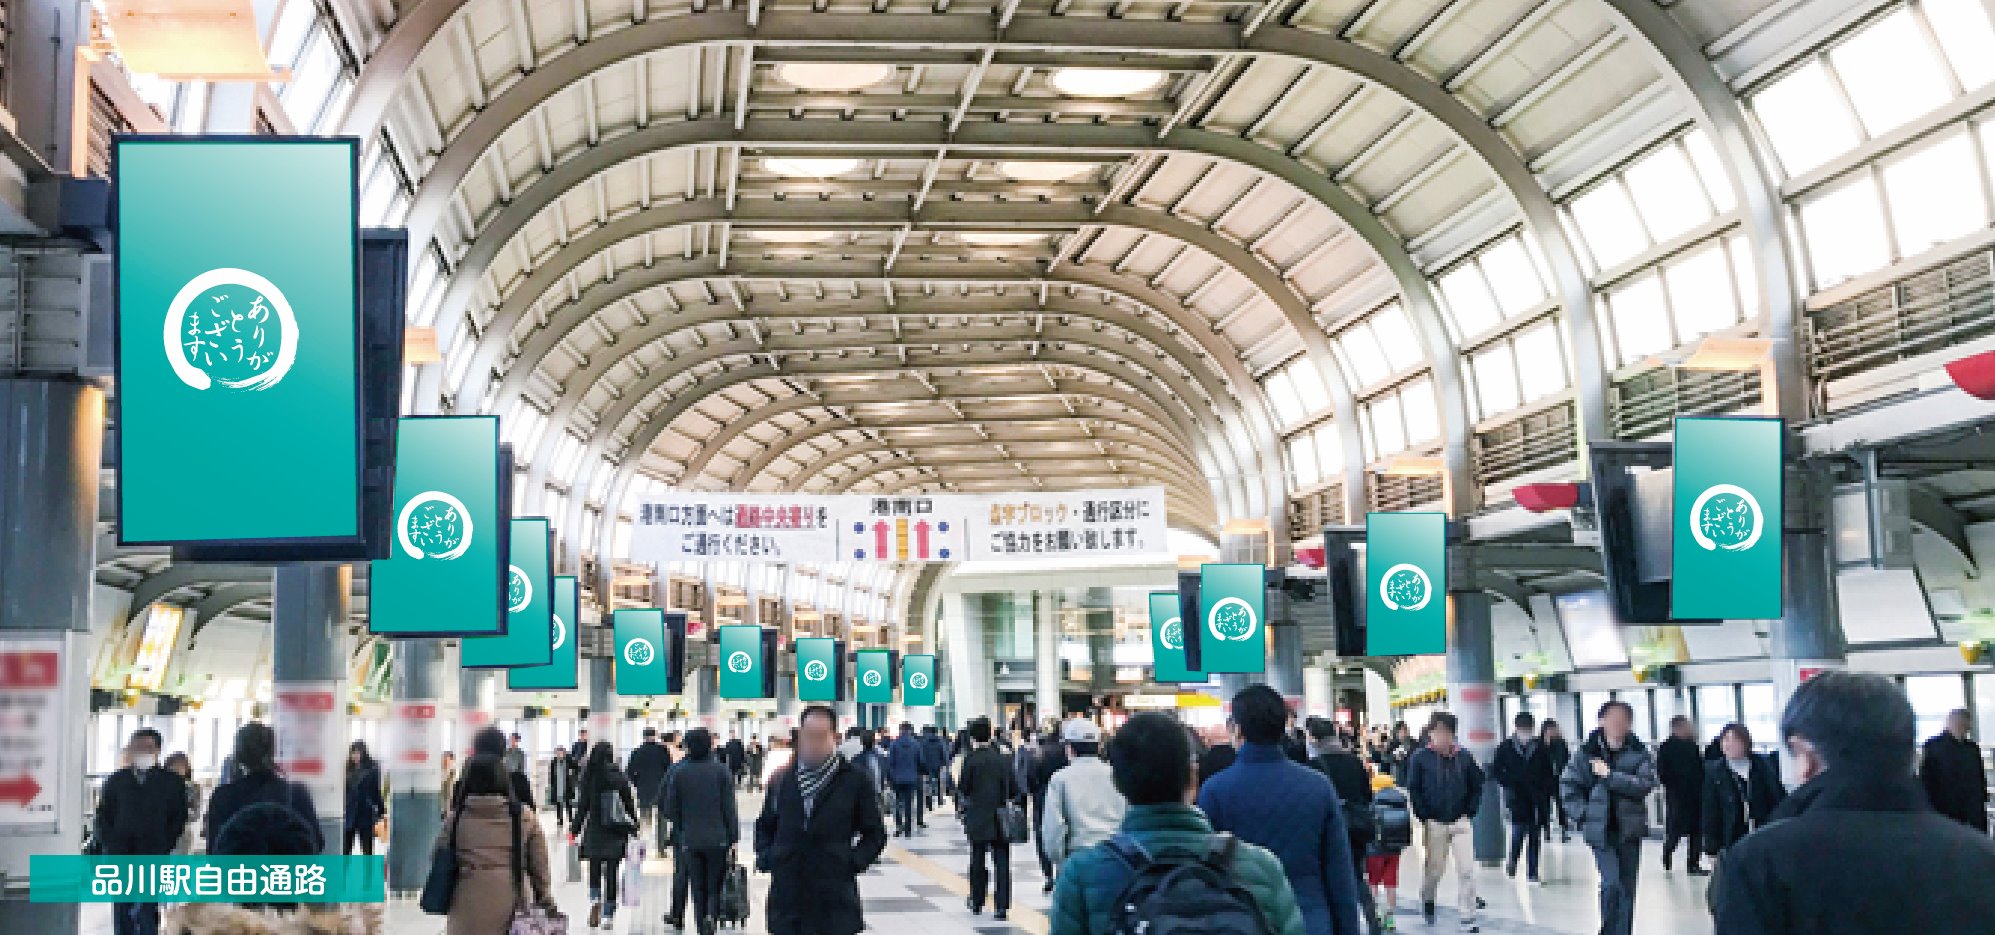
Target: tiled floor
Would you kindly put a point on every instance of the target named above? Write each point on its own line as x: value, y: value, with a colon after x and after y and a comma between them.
x: 920, y: 886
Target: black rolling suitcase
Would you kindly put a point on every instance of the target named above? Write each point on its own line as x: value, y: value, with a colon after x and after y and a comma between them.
x: 733, y: 895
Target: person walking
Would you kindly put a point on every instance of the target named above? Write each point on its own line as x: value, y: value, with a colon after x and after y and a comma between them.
x: 1151, y: 763
x: 698, y: 805
x: 561, y: 787
x: 1399, y: 751
x: 1331, y: 756
x: 447, y: 761
x: 1560, y: 753
x: 515, y: 758
x: 1950, y: 769
x: 935, y: 781
x: 1051, y: 758
x: 1741, y: 790
x: 1392, y: 817
x: 904, y: 771
x: 1680, y: 768
x: 820, y: 827
x: 1606, y: 789
x: 646, y: 767
x: 736, y: 757
x: 1857, y: 849
x: 257, y: 782
x: 1444, y: 789
x: 578, y: 752
x: 606, y: 815
x: 364, y: 805
x: 140, y: 812
x: 499, y: 849
x: 179, y: 765
x: 756, y: 755
x: 1268, y: 799
x: 1079, y: 804
x: 1523, y: 768
x: 491, y: 741
x: 985, y: 788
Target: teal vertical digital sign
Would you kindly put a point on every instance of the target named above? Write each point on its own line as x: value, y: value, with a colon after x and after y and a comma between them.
x: 528, y: 638
x: 562, y: 673
x: 918, y: 681
x: 446, y: 570
x: 1406, y: 584
x: 1726, y: 525
x: 1234, y: 633
x: 873, y: 671
x: 238, y: 349
x: 741, y: 662
x: 1167, y: 641
x: 817, y: 669
x: 643, y: 659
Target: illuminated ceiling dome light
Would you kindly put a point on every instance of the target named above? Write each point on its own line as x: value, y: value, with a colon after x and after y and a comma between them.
x: 1044, y: 171
x: 1104, y: 82
x: 791, y: 236
x: 809, y: 167
x: 1001, y: 238
x: 833, y: 76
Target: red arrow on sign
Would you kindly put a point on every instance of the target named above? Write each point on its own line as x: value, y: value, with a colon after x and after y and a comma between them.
x: 20, y: 791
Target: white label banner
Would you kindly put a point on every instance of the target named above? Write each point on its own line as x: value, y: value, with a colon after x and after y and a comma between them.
x: 414, y: 745
x: 30, y: 732
x: 311, y: 743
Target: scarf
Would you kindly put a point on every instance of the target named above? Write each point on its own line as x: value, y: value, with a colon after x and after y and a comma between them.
x: 812, y: 780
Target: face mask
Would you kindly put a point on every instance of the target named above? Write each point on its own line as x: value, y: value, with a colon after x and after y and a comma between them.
x: 144, y: 761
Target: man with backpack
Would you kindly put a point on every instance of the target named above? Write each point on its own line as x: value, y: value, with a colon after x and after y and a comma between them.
x: 1166, y: 869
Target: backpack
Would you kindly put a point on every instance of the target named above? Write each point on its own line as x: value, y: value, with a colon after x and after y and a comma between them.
x: 1179, y: 892
x: 1392, y: 817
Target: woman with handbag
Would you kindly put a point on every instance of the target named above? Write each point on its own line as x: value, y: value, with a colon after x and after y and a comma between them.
x: 606, y: 815
x: 498, y: 848
x: 987, y: 793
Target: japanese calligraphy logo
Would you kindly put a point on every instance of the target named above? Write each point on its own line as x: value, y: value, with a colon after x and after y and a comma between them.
x: 1405, y: 587
x: 519, y: 589
x: 816, y: 671
x: 434, y: 524
x: 1173, y: 634
x: 233, y: 327
x: 739, y: 661
x: 872, y: 678
x: 1725, y: 516
x: 560, y: 632
x: 639, y: 652
x: 917, y: 680
x: 1231, y: 620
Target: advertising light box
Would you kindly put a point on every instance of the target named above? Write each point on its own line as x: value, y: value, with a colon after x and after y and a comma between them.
x: 875, y: 676
x: 238, y: 341
x: 446, y: 575
x: 918, y: 681
x: 1233, y: 618
x: 1167, y: 641
x: 643, y: 661
x: 817, y: 669
x: 562, y: 674
x: 1406, y: 584
x: 529, y: 592
x: 1728, y: 501
x: 741, y: 662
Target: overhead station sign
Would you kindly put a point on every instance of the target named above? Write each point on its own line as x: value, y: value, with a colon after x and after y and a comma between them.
x: 817, y: 669
x: 1232, y: 621
x: 447, y: 573
x: 528, y: 640
x: 1728, y: 497
x: 874, y: 675
x: 643, y: 660
x: 918, y: 681
x: 239, y: 341
x: 1167, y: 640
x: 1406, y: 584
x: 741, y: 663
x: 1088, y: 524
x: 563, y: 672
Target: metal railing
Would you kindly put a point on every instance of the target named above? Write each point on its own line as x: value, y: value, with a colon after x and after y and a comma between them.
x: 1922, y: 313
x: 1401, y: 492
x: 1647, y: 403
x: 1537, y: 441
x: 1310, y: 512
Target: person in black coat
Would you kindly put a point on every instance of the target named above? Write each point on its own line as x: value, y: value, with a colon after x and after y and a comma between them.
x: 364, y: 806
x: 986, y: 786
x: 1680, y: 768
x: 1560, y: 753
x: 1340, y: 762
x: 578, y: 752
x: 561, y: 777
x: 698, y: 805
x: 257, y: 781
x: 1051, y: 758
x: 820, y: 827
x: 1741, y: 790
x: 1215, y: 758
x: 603, y: 838
x: 1857, y: 849
x: 737, y: 759
x: 1523, y: 767
x: 646, y: 768
x: 1950, y: 769
x: 140, y: 812
x: 491, y: 741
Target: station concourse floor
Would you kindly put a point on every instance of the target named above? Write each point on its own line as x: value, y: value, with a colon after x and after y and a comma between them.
x: 919, y: 887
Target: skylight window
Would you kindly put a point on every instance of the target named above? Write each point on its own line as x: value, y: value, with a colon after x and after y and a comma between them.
x: 1512, y: 276
x: 1805, y: 119
x: 1641, y: 319
x: 1667, y: 193
x: 1965, y: 35
x: 1891, y: 73
x: 1700, y: 293
x: 1845, y: 231
x: 1932, y: 194
x: 1608, y: 223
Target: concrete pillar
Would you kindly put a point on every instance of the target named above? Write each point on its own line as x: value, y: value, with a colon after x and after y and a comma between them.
x: 1046, y: 654
x: 51, y: 446
x: 477, y: 705
x: 602, y: 706
x: 308, y: 652
x: 1472, y: 698
x: 1099, y: 619
x: 1810, y: 634
x: 1285, y: 672
x: 1319, y: 694
x: 415, y: 804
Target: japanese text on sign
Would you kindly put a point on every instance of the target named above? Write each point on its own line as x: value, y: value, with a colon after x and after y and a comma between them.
x: 30, y: 672
x: 64, y: 878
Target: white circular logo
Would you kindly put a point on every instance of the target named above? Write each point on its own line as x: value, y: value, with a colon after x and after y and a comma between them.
x: 917, y: 680
x: 872, y: 678
x: 1173, y: 634
x: 816, y: 671
x: 519, y: 589
x: 1405, y: 587
x: 233, y: 327
x: 739, y: 662
x: 1725, y: 516
x: 434, y: 524
x: 639, y: 652
x: 1231, y: 620
x: 560, y: 632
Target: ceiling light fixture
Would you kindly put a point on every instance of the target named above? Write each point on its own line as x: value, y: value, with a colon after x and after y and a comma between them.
x: 1000, y: 238
x: 1104, y: 82
x: 791, y: 236
x: 1045, y: 171
x: 833, y: 76
x: 809, y: 167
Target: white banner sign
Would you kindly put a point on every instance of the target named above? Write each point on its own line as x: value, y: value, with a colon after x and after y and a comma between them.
x: 311, y: 740
x: 414, y: 742
x: 785, y: 528
x: 30, y: 733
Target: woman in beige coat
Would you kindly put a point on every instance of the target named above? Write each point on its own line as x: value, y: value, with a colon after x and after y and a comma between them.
x: 488, y: 887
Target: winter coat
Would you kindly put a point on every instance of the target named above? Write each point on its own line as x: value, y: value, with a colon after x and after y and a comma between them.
x: 1528, y: 780
x: 1354, y: 789
x: 1857, y: 851
x: 814, y: 861
x: 485, y: 896
x: 1214, y: 761
x: 1080, y: 807
x: 646, y: 769
x: 303, y: 919
x: 1091, y: 880
x: 904, y: 760
x: 1560, y: 754
x: 698, y: 803
x: 137, y: 817
x: 1441, y: 788
x: 1267, y: 799
x: 363, y: 797
x: 984, y: 788
x: 1950, y: 770
x: 1051, y: 760
x: 934, y: 754
x: 1732, y: 808
x: 1680, y: 769
x: 598, y: 842
x: 1617, y: 802
x: 560, y: 781
x: 735, y: 755
x: 257, y: 787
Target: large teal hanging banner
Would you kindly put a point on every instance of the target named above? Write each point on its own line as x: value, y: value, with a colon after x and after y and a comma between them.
x: 529, y: 599
x: 817, y: 669
x: 643, y: 659
x: 918, y: 681
x: 238, y: 340
x: 446, y: 574
x: 1234, y: 633
x: 874, y: 674
x: 1726, y: 525
x: 562, y: 673
x: 1167, y: 641
x: 741, y: 662
x: 1406, y: 584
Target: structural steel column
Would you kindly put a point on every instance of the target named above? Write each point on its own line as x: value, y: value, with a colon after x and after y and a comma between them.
x: 477, y: 705
x: 1809, y: 636
x: 308, y: 651
x: 1046, y: 654
x: 415, y: 803
x: 1472, y: 697
x: 602, y: 708
x: 1285, y: 670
